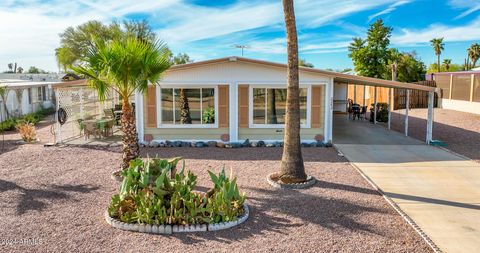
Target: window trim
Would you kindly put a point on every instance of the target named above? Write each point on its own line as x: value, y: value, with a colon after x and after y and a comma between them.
x: 185, y: 86
x: 277, y: 86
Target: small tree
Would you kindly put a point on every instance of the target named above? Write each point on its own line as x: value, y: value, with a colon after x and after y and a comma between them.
x: 304, y: 63
x: 3, y: 95
x: 125, y: 65
x: 182, y: 58
x: 371, y: 56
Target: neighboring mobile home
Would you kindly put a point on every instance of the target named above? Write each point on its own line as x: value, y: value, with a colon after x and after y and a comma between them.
x: 247, y: 98
x: 23, y: 97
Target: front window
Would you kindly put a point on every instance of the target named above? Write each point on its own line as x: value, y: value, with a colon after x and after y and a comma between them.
x: 269, y: 106
x: 189, y: 106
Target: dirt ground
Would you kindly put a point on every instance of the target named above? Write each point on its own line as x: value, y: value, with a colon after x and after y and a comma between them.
x: 56, y: 197
x: 460, y: 130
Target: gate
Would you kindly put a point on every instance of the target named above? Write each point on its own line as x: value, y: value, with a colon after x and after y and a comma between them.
x: 79, y: 103
x: 418, y: 98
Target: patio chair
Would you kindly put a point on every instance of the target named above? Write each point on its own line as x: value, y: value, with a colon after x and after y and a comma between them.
x: 90, y: 129
x: 356, y: 111
x: 109, y: 113
x: 363, y: 113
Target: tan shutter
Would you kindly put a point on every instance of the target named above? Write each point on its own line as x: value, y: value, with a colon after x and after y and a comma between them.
x: 151, y: 106
x: 317, y: 106
x: 243, y: 105
x: 223, y: 104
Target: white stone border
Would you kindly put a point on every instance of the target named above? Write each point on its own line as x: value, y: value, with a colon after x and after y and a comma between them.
x: 169, y: 229
x: 307, y: 184
x: 118, y: 178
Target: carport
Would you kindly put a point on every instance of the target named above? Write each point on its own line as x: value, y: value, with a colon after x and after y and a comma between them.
x: 345, y: 130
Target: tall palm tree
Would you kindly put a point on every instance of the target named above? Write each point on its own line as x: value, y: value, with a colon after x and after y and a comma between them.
x: 125, y: 65
x: 437, y: 44
x: 474, y: 53
x: 292, y: 168
x: 446, y: 63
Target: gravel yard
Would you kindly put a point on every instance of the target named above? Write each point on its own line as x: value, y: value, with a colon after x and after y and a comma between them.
x: 460, y: 130
x: 58, y: 195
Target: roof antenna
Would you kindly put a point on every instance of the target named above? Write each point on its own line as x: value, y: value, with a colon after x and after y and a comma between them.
x: 241, y: 47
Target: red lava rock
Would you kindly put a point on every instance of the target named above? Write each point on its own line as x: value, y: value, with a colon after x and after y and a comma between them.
x: 62, y: 198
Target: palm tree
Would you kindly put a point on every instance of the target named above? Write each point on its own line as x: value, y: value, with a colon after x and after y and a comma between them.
x: 125, y: 65
x: 474, y: 53
x: 292, y: 168
x: 446, y: 63
x: 437, y: 44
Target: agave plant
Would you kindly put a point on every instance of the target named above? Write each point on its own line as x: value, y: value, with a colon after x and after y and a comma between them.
x: 153, y: 192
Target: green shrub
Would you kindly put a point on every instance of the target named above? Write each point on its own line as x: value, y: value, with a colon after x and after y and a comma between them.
x: 8, y: 124
x: 208, y: 115
x: 153, y: 192
x: 34, y: 118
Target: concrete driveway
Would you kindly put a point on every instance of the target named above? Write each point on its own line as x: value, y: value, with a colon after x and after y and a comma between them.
x: 438, y: 190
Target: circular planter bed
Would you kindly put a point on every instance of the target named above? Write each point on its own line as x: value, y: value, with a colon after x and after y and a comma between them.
x: 273, y: 181
x: 170, y: 229
x: 117, y: 176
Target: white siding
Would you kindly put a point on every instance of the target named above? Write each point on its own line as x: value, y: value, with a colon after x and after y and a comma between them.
x: 237, y: 72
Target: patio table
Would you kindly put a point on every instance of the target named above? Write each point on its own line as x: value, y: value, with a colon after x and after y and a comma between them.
x: 103, y: 125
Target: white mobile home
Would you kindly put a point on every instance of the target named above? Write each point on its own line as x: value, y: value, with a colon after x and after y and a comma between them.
x: 236, y: 98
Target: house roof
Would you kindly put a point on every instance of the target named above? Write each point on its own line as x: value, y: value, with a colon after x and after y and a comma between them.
x: 13, y: 83
x: 338, y: 77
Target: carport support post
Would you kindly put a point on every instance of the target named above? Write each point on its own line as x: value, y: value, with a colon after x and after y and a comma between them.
x: 431, y: 96
x: 364, y: 94
x: 375, y: 105
x: 407, y: 107
x: 389, y: 107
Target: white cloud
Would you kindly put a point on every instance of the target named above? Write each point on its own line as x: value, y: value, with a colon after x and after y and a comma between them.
x: 466, y: 32
x: 471, y: 6
x: 389, y: 9
x: 30, y: 28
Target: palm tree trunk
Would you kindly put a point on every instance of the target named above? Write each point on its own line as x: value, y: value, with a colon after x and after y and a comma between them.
x: 292, y: 168
x: 131, y: 150
x: 438, y: 62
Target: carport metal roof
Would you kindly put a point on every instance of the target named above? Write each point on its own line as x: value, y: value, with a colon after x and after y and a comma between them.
x: 338, y: 77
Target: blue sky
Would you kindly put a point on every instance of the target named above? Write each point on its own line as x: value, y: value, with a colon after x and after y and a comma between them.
x: 209, y: 29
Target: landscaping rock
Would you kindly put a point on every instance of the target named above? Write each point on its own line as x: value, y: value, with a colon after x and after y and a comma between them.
x: 246, y: 143
x: 270, y: 145
x: 304, y: 144
x: 233, y: 145
x: 200, y: 144
x: 212, y: 144
x: 253, y: 143
x: 220, y: 144
x: 260, y: 144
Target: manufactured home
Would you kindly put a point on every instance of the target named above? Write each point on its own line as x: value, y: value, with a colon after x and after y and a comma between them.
x: 23, y: 97
x: 236, y: 98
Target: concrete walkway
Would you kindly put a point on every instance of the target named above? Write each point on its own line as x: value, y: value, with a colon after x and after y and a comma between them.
x: 440, y: 191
